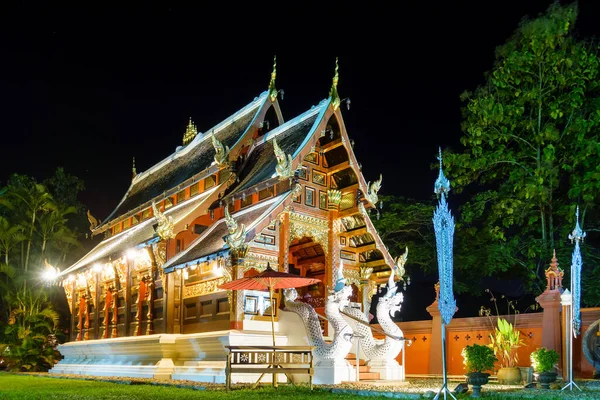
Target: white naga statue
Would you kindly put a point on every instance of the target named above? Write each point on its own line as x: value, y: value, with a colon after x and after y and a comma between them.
x: 382, y: 352
x: 333, y: 353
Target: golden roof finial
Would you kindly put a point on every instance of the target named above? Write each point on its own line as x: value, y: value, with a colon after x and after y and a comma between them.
x: 333, y: 93
x: 133, y: 170
x: 190, y: 132
x: 272, y: 89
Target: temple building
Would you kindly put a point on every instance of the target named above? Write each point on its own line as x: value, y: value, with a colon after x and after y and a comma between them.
x: 251, y: 191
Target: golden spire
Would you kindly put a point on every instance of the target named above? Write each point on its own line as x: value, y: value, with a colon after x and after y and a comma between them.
x: 333, y: 93
x: 133, y: 170
x: 272, y: 89
x: 190, y: 132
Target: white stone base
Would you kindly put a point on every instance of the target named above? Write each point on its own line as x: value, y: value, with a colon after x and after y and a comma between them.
x: 388, y: 370
x: 196, y: 357
x: 326, y: 372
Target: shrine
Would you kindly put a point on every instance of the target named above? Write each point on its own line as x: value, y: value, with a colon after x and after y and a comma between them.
x: 252, y: 190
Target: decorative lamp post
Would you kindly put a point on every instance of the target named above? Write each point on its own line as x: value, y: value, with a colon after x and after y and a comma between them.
x: 573, y: 301
x: 443, y: 224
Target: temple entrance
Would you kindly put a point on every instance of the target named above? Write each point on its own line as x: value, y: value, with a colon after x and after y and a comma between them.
x: 307, y: 258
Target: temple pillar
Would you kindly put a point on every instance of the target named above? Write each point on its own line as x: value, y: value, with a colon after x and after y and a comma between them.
x: 284, y: 242
x: 435, y: 360
x: 549, y: 300
x: 236, y: 315
x: 169, y: 309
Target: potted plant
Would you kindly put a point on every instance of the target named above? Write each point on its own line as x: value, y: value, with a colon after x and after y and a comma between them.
x: 505, y: 340
x: 477, y: 359
x: 543, y: 362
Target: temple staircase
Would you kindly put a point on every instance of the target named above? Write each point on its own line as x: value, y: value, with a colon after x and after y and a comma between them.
x: 364, y: 371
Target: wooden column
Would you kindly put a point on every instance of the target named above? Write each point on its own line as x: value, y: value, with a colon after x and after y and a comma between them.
x: 150, y: 287
x: 140, y: 306
x: 237, y: 304
x: 168, y: 284
x: 284, y: 243
x: 108, y: 298
x: 127, y: 297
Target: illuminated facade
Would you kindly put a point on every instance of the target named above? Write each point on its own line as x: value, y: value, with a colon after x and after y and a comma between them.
x: 250, y: 191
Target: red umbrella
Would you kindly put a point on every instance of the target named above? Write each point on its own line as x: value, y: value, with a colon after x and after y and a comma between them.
x: 269, y: 279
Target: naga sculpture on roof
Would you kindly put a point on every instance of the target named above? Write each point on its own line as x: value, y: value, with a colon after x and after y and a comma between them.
x: 372, y: 190
x: 284, y: 162
x: 382, y: 352
x: 236, y: 240
x: 221, y: 152
x: 166, y: 225
x: 327, y: 354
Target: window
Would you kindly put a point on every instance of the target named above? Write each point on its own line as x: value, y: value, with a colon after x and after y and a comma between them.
x: 309, y: 196
x: 181, y: 196
x: 117, y: 228
x: 246, y: 201
x: 263, y: 194
x: 178, y: 245
x: 146, y: 213
x: 195, y: 189
x: 136, y: 219
x: 126, y: 223
x: 168, y: 202
x: 209, y: 182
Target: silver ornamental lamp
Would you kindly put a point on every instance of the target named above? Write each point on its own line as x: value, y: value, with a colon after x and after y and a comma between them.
x: 443, y: 224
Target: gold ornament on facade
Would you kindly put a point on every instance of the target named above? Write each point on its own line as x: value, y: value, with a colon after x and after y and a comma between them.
x: 333, y: 92
x: 93, y: 221
x: 306, y: 226
x: 352, y: 276
x: 160, y: 253
x: 221, y: 152
x: 365, y: 273
x: 90, y: 277
x: 400, y: 261
x: 203, y: 288
x: 272, y: 89
x: 190, y: 132
x: 66, y: 284
x: 296, y: 191
x: 284, y: 162
x: 236, y: 240
x: 258, y: 261
x: 334, y: 197
x: 373, y: 188
x: 166, y: 225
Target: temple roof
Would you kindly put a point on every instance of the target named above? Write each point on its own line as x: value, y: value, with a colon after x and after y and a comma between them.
x: 291, y: 136
x: 116, y: 245
x: 212, y: 240
x: 186, y: 161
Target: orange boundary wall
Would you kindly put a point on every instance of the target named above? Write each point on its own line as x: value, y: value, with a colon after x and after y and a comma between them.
x: 462, y: 332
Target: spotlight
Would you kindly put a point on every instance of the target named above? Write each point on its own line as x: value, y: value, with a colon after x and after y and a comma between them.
x: 461, y: 388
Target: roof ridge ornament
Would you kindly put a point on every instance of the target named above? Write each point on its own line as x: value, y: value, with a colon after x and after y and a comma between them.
x: 373, y: 189
x: 442, y: 184
x: 578, y: 234
x: 272, y: 89
x: 190, y: 132
x: 166, y: 225
x: 133, y: 170
x: 221, y: 152
x: 236, y: 240
x: 284, y: 162
x: 333, y: 92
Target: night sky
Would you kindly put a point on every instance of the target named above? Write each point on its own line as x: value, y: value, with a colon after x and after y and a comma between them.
x: 90, y: 89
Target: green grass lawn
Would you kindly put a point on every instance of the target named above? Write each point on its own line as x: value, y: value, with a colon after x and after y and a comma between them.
x: 21, y: 386
x: 14, y: 386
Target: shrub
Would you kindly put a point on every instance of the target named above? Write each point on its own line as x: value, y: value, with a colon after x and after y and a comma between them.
x: 478, y: 358
x: 543, y: 360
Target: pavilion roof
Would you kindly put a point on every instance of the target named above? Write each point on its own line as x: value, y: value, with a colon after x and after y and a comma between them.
x: 186, y: 161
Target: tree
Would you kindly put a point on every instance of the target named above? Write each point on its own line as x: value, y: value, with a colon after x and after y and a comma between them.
x: 531, y: 147
x: 408, y: 223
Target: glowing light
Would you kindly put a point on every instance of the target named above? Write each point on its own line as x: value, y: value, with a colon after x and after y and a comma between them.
x: 131, y: 254
x: 185, y: 274
x: 97, y: 267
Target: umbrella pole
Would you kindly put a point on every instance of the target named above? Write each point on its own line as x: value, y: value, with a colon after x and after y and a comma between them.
x: 273, y: 333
